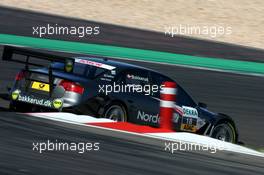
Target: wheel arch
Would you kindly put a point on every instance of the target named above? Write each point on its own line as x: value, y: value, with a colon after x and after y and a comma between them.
x: 223, y: 118
x: 108, y: 103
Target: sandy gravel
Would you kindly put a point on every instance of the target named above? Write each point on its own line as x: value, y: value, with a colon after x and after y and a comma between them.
x: 244, y: 19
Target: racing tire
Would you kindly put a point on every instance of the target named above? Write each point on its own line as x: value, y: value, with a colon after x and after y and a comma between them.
x: 116, y: 112
x: 224, y: 131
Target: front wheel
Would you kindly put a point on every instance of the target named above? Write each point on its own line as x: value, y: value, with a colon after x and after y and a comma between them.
x: 116, y: 112
x: 225, y: 132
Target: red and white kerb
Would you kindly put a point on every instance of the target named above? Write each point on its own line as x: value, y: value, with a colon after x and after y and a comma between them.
x: 167, y: 104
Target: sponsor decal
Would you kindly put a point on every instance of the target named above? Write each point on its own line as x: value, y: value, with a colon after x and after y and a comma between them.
x: 96, y: 64
x: 148, y: 117
x: 190, y: 112
x: 32, y: 100
x: 57, y: 103
x: 190, y: 120
x: 108, y: 76
x: 189, y: 124
x: 134, y: 77
x: 40, y: 86
x: 186, y: 127
x: 113, y: 72
x: 105, y: 79
x: 178, y: 110
x: 15, y: 94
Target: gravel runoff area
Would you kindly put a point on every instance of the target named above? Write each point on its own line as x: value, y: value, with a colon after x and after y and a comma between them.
x: 233, y: 21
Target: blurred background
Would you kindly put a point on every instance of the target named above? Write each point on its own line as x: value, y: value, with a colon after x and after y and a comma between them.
x: 244, y: 17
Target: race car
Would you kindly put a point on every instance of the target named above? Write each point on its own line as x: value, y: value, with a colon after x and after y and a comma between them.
x: 109, y: 89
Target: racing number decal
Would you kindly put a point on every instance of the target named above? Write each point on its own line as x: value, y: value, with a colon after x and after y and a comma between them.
x: 189, y: 119
x: 189, y: 124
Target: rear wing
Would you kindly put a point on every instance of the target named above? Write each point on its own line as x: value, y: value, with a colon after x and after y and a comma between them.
x: 10, y: 51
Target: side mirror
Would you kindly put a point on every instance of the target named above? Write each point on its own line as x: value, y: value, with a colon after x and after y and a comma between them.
x: 202, y: 105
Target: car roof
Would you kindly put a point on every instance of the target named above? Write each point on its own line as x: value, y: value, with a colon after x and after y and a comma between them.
x: 118, y: 64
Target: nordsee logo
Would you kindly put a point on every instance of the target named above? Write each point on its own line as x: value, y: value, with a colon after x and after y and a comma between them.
x: 148, y: 117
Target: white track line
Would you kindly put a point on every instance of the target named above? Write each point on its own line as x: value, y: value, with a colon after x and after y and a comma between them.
x: 172, y: 137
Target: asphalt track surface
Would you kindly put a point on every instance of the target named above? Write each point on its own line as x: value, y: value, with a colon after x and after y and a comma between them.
x: 237, y: 95
x: 118, y: 153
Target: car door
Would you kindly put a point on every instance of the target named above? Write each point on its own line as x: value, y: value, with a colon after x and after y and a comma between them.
x: 142, y: 108
x: 157, y: 80
x: 189, y: 120
x: 192, y: 120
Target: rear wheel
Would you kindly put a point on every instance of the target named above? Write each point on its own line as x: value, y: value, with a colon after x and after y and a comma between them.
x: 225, y: 132
x: 116, y: 112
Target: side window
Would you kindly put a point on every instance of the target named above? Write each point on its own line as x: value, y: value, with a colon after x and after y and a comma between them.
x: 183, y: 99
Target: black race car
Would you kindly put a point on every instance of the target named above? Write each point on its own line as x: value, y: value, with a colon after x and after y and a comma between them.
x: 110, y: 89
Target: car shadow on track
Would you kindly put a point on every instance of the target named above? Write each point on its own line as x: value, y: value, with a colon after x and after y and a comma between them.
x: 4, y: 96
x: 4, y: 102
